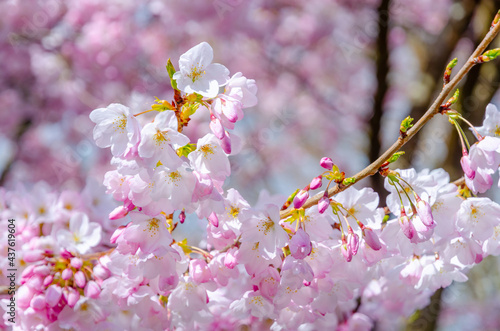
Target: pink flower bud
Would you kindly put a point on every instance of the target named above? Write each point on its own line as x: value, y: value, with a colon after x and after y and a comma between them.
x: 53, y: 295
x: 300, y: 245
x: 24, y: 296
x: 326, y: 163
x: 353, y: 241
x: 216, y: 127
x: 198, y: 269
x: 48, y: 280
x: 300, y: 198
x: 92, y: 290
x: 66, y: 254
x: 80, y: 279
x: 36, y: 283
x: 101, y: 272
x: 225, y: 143
x: 28, y: 272
x: 316, y: 182
x: 122, y: 211
x: 230, y: 260
x: 466, y: 166
x: 118, y: 212
x: 67, y: 274
x: 76, y: 262
x: 71, y: 296
x: 214, y: 219
x: 33, y: 255
x: 323, y: 204
x: 41, y: 270
x: 38, y: 302
x: 346, y: 252
x: 424, y: 210
x: 182, y: 217
x: 406, y: 225
x: 118, y: 232
x: 371, y: 238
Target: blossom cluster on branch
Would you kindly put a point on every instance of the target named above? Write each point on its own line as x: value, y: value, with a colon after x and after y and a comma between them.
x: 343, y: 263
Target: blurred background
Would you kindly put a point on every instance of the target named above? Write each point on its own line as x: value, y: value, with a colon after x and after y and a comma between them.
x: 335, y: 79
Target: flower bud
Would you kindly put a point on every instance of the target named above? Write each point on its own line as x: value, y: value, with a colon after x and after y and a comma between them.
x: 118, y: 212
x: 465, y: 163
x: 424, y: 210
x: 28, y: 271
x: 216, y: 127
x: 76, y: 262
x: 33, y: 255
x: 66, y: 254
x: 101, y: 272
x: 346, y: 252
x: 53, y: 295
x: 122, y: 211
x: 323, y: 203
x: 316, y: 182
x: 326, y: 163
x: 67, y: 274
x: 24, y: 296
x: 300, y: 198
x: 230, y: 260
x: 80, y: 279
x: 71, y: 296
x: 406, y: 225
x: 371, y: 238
x: 41, y: 270
x: 38, y: 302
x: 214, y: 219
x: 182, y: 217
x: 92, y: 290
x: 225, y: 143
x: 48, y: 280
x: 118, y: 232
x: 353, y: 241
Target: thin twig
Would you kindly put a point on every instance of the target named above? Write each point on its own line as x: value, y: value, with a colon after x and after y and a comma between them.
x: 372, y: 169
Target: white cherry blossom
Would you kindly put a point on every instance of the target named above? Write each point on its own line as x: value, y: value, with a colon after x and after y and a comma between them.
x: 197, y: 73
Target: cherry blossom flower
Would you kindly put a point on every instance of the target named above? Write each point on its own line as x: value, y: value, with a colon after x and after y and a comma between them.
x: 115, y: 127
x: 491, y: 122
x: 209, y: 158
x: 82, y: 234
x: 160, y: 138
x: 197, y: 73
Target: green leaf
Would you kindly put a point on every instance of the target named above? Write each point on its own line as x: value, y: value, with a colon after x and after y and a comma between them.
x: 162, y: 105
x: 171, y: 72
x: 395, y: 157
x: 349, y: 181
x: 492, y: 54
x: 406, y: 124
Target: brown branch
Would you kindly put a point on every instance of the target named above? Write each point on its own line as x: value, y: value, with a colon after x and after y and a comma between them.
x: 372, y: 169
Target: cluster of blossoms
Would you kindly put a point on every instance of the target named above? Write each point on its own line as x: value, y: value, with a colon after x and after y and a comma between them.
x: 57, y: 236
x: 343, y: 263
